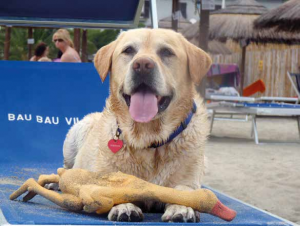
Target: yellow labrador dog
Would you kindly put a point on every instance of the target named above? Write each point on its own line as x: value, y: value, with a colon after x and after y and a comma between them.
x: 154, y: 125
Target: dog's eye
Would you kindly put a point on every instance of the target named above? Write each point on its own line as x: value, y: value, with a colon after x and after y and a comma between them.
x: 129, y: 50
x: 165, y: 52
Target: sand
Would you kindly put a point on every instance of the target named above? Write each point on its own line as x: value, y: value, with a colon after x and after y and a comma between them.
x: 266, y: 175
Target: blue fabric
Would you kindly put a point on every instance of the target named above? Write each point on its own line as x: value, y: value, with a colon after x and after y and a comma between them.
x: 42, y: 94
x: 42, y: 211
x: 117, y: 11
x: 29, y: 148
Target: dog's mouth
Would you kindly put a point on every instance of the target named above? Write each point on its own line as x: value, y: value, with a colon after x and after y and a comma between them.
x: 144, y: 104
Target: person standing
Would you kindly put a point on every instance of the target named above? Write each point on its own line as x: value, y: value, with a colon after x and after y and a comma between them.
x: 63, y: 42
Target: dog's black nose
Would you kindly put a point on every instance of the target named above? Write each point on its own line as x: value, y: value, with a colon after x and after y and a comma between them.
x: 143, y: 65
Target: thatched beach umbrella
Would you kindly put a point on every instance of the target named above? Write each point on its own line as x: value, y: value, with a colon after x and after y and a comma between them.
x: 192, y: 33
x: 258, y: 36
x: 167, y: 23
x: 285, y: 17
x: 214, y: 47
x: 236, y: 22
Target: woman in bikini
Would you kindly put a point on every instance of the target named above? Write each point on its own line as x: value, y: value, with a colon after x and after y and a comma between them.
x: 63, y: 42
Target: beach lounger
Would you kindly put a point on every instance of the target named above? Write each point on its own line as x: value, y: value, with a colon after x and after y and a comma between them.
x: 39, y: 103
x: 255, y: 110
x: 257, y: 107
x: 295, y: 82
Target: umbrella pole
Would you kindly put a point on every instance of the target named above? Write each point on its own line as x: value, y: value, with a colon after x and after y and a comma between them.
x: 77, y: 39
x: 30, y: 35
x: 175, y: 8
x: 7, y: 42
x: 203, y: 43
x: 243, y: 69
x: 84, y: 55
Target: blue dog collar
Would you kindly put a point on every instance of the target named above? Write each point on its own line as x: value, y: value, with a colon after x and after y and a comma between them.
x: 182, y: 127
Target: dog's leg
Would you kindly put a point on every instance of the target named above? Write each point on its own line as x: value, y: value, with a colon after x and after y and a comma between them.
x: 66, y: 201
x: 94, y: 200
x: 42, y: 181
x: 76, y: 138
x: 178, y: 213
x: 126, y: 212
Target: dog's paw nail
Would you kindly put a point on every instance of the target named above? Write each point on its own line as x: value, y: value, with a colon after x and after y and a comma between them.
x: 178, y: 218
x: 123, y: 217
x: 135, y: 217
x: 114, y: 217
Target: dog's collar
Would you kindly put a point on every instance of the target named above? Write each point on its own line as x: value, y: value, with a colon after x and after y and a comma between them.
x: 182, y: 127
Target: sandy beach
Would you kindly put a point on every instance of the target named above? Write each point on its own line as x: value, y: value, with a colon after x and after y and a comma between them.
x: 266, y: 175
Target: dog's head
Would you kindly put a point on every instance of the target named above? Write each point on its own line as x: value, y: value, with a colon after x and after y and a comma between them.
x: 150, y: 71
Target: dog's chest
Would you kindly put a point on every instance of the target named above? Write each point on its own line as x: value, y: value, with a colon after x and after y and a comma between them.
x: 153, y: 165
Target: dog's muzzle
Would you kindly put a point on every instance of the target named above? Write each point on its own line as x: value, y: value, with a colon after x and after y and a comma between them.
x: 144, y: 100
x: 143, y: 72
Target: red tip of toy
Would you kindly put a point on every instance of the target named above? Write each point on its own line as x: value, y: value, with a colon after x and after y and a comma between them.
x: 222, y: 211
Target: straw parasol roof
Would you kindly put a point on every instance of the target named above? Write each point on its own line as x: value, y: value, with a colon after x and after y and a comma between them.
x: 167, y: 23
x: 192, y: 33
x: 236, y: 21
x: 285, y: 17
x: 214, y: 47
x: 228, y: 23
x: 261, y: 36
x: 240, y: 27
x: 250, y: 7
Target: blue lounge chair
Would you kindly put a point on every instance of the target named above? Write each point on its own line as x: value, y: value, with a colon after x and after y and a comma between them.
x: 39, y: 102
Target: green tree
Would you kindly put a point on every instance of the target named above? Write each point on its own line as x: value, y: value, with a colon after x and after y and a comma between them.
x: 2, y: 38
x: 18, y: 44
x: 102, y: 37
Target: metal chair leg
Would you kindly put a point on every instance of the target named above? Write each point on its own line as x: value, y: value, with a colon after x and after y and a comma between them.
x: 298, y: 121
x: 212, y: 120
x: 255, y: 129
x: 252, y: 129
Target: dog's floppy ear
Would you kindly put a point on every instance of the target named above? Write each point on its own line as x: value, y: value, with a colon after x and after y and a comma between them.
x: 103, y: 59
x: 199, y: 61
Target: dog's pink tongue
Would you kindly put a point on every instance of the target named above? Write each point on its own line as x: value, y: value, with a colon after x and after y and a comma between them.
x: 143, y: 106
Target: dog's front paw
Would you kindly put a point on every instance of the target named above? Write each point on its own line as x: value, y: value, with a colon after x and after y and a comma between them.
x: 126, y: 212
x: 177, y: 213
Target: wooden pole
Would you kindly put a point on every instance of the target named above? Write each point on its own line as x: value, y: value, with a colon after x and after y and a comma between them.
x: 84, y: 55
x: 7, y: 42
x: 30, y: 35
x: 175, y: 19
x: 204, y: 29
x: 243, y: 69
x: 203, y: 42
x: 77, y: 39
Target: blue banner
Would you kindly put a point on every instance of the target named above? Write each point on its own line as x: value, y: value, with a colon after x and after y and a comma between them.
x: 40, y: 101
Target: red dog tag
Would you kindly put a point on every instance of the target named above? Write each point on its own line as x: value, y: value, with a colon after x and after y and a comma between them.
x: 115, y: 145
